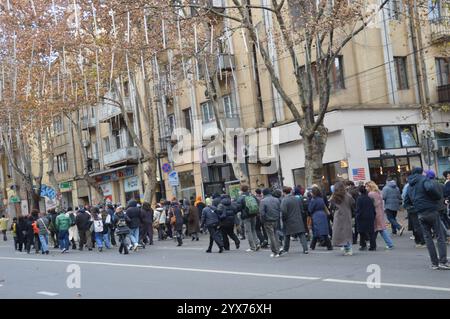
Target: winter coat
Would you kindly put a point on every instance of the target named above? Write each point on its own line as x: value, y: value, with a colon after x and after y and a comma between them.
x: 227, y: 211
x: 441, y: 203
x: 447, y: 189
x: 62, y: 222
x: 291, y: 214
x: 121, y: 221
x: 342, y: 221
x: 134, y: 213
x: 377, y: 200
x: 83, y: 221
x: 193, y: 220
x: 160, y: 216
x: 147, y: 216
x: 365, y: 214
x: 210, y: 217
x: 391, y: 196
x: 319, y: 217
x: 42, y: 224
x: 269, y: 209
x: 175, y: 210
x: 423, y: 194
x: 408, y: 206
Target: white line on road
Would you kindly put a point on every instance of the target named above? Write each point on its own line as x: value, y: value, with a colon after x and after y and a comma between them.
x: 351, y: 282
x: 48, y: 293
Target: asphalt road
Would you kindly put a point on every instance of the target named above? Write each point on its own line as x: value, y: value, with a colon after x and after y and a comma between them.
x: 166, y: 271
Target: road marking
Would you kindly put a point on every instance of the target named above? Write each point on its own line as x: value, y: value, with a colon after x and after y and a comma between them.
x: 237, y: 273
x: 48, y: 293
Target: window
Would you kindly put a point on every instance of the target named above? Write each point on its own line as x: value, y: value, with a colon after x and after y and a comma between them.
x: 126, y: 89
x: 443, y: 71
x: 61, y: 162
x: 434, y: 10
x: 106, y: 144
x: 229, y: 107
x: 395, y: 9
x: 187, y: 114
x: 58, y: 126
x: 171, y: 123
x: 118, y: 139
x: 337, y: 73
x: 207, y: 112
x: 401, y: 72
x: 388, y: 137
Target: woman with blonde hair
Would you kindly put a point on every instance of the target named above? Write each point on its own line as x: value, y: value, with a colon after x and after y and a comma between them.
x: 380, y: 225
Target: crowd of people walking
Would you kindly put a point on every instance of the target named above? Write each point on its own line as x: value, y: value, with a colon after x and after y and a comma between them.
x: 267, y: 218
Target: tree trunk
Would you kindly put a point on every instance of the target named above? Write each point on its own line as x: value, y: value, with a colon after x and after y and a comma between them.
x: 314, y: 147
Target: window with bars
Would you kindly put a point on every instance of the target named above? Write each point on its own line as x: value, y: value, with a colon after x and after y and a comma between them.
x: 401, y: 71
x: 207, y: 112
x: 61, y: 163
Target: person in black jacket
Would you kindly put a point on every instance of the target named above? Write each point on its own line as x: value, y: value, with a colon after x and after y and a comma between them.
x: 424, y: 196
x: 227, y: 213
x: 146, y: 232
x: 53, y: 233
x: 176, y: 220
x: 121, y: 221
x: 110, y: 211
x: 83, y: 222
x: 29, y: 237
x: 365, y: 219
x: 134, y: 213
x: 21, y: 232
x: 210, y: 219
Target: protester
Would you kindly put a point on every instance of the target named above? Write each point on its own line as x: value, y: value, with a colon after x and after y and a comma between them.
x: 83, y: 221
x: 365, y: 220
x: 413, y: 219
x: 248, y: 206
x: 424, y: 196
x: 392, y: 201
x: 159, y: 222
x: 227, y: 214
x: 146, y: 230
x: 43, y: 223
x: 53, y: 231
x: 112, y: 237
x: 14, y: 233
x: 134, y: 214
x: 176, y: 220
x: 62, y: 224
x: 291, y: 214
x: 319, y: 216
x: 269, y: 210
x: 4, y: 226
x: 73, y: 230
x: 342, y: 219
x: 122, y: 229
x: 193, y: 226
x: 210, y: 219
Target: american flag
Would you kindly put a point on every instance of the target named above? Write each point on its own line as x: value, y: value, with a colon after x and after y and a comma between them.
x: 359, y: 174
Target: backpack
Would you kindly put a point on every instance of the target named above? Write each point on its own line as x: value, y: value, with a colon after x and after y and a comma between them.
x: 252, y: 205
x: 98, y: 226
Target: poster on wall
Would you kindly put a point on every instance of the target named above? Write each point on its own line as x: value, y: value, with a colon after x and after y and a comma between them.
x: 131, y: 184
x: 50, y: 203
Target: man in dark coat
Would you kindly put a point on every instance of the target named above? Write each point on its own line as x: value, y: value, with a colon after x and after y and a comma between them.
x: 269, y: 210
x: 146, y: 230
x: 134, y: 213
x: 175, y: 211
x: 291, y: 215
x: 365, y: 220
x: 193, y: 224
x: 210, y: 219
x: 227, y: 213
x: 424, y: 196
x: 110, y: 211
x: 83, y: 222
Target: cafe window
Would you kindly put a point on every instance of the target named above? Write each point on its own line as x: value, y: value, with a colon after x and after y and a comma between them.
x: 390, y: 137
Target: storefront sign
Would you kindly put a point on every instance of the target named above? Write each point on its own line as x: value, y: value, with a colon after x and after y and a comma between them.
x: 131, y: 184
x: 115, y: 176
x: 50, y: 203
x: 107, y: 189
x: 173, y: 179
x: 47, y: 191
x: 65, y: 186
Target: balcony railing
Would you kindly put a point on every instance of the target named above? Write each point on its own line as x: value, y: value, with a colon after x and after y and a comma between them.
x: 107, y: 110
x: 87, y: 122
x: 440, y: 29
x: 126, y: 154
x: 443, y: 93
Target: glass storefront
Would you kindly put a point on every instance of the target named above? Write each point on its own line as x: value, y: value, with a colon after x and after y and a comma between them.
x: 187, y: 184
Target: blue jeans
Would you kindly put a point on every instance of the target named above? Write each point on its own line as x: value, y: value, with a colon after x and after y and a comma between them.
x: 106, y: 240
x: 348, y: 246
x: 392, y: 218
x: 386, y: 238
x: 99, y: 239
x: 134, y: 235
x: 44, y: 242
x: 63, y: 236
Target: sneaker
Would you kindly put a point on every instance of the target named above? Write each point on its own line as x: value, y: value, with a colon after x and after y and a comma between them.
x: 412, y: 238
x: 280, y: 250
x: 272, y: 255
x: 100, y: 249
x: 135, y: 247
x: 249, y: 250
x: 277, y: 256
x: 306, y: 252
x: 47, y: 252
x: 434, y: 267
x: 421, y: 246
x: 63, y: 251
x: 257, y: 248
x: 444, y: 266
x: 401, y: 231
x: 348, y: 253
x: 238, y: 245
x: 389, y: 247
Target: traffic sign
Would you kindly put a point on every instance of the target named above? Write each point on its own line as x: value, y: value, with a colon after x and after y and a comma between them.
x: 166, y: 168
x: 173, y: 179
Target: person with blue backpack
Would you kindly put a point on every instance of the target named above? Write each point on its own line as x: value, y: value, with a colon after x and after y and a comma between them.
x: 249, y: 208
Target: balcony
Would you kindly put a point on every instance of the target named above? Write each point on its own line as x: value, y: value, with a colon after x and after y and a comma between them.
x: 227, y: 62
x: 126, y: 154
x: 87, y: 122
x: 440, y: 30
x: 210, y: 128
x: 443, y: 93
x: 107, y: 110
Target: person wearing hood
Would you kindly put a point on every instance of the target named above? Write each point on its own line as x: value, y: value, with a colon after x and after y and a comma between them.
x: 146, y: 231
x: 134, y: 213
x: 193, y: 224
x: 248, y: 206
x: 62, y: 226
x: 442, y: 208
x: 121, y: 221
x: 227, y: 214
x: 176, y: 220
x: 159, y: 221
x: 365, y: 220
x: 392, y: 200
x: 73, y: 231
x: 269, y: 209
x: 110, y: 211
x: 199, y: 204
x: 53, y: 232
x: 424, y: 195
x: 83, y: 221
x: 319, y: 216
x: 210, y: 220
x: 413, y: 219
